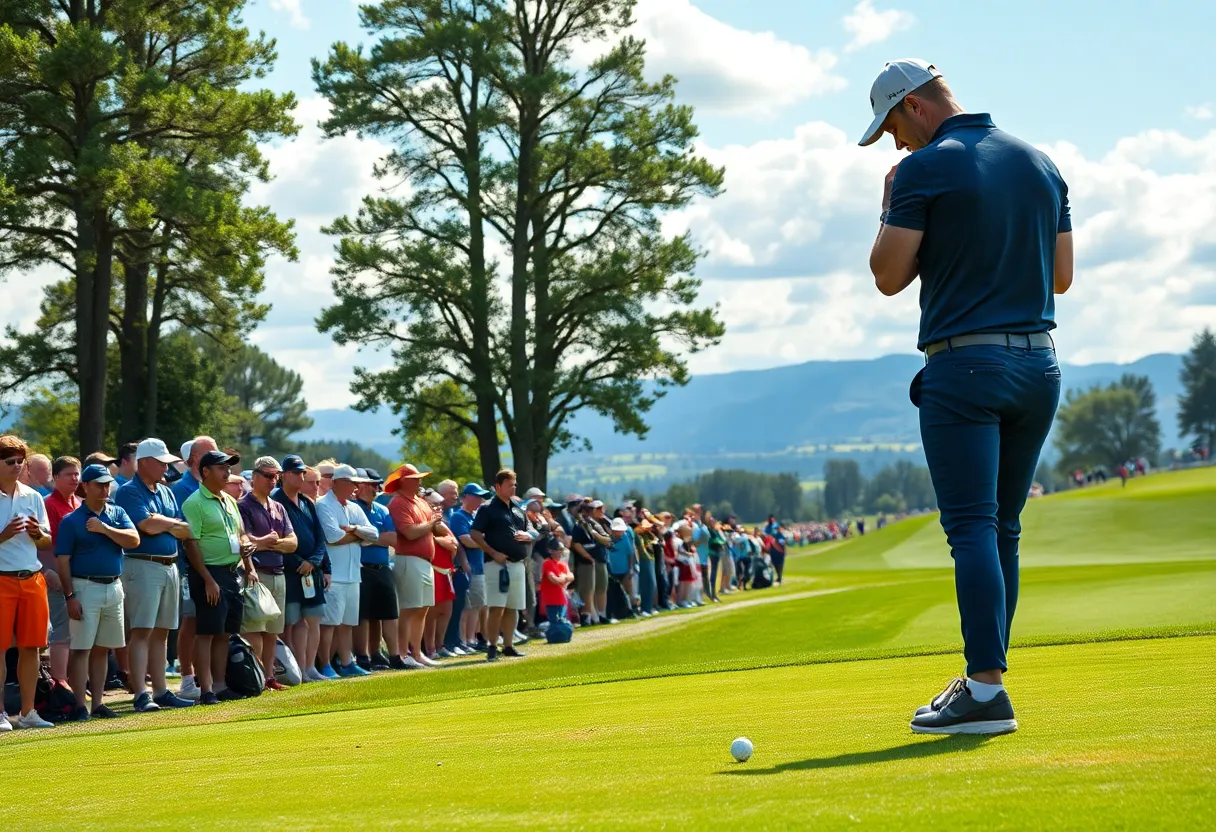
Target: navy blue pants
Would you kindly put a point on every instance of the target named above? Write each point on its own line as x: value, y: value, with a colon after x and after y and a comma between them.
x: 984, y: 414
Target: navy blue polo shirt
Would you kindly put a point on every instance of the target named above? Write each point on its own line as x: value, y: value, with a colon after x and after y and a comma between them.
x: 140, y: 502
x: 93, y: 554
x: 990, y: 207
x: 378, y: 516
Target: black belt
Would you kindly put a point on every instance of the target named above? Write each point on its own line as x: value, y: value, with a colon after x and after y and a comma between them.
x: 1033, y: 341
x: 163, y: 560
x: 97, y: 580
x: 20, y: 574
x: 374, y: 566
x: 228, y: 567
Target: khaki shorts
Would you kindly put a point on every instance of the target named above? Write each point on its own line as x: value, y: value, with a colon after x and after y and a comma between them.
x: 101, y: 622
x: 514, y: 597
x: 153, y: 593
x: 341, y: 605
x: 415, y: 579
x: 277, y: 584
x: 476, y: 599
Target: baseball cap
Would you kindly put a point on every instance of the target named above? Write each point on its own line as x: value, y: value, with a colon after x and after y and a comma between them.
x: 573, y: 498
x: 369, y: 475
x: 154, y: 449
x: 187, y: 446
x: 96, y: 473
x: 534, y: 493
x: 474, y: 490
x: 293, y: 464
x: 897, y: 79
x: 597, y: 503
x: 554, y: 545
x: 347, y: 472
x: 217, y: 458
x: 619, y: 524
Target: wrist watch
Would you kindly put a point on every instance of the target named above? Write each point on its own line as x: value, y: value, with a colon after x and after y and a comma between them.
x: 69, y: 596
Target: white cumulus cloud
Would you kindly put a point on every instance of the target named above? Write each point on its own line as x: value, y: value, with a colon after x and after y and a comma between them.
x: 294, y: 12
x: 869, y: 26
x: 724, y: 69
x: 1201, y: 112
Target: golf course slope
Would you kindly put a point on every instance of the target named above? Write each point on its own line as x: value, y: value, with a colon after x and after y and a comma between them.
x: 1112, y: 675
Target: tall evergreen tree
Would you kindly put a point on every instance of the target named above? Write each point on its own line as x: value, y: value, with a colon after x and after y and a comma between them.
x: 1197, y: 405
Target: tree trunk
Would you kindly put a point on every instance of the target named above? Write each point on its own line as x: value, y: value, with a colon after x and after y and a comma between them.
x: 484, y: 394
x: 152, y: 356
x: 93, y: 278
x: 523, y: 436
x: 132, y: 350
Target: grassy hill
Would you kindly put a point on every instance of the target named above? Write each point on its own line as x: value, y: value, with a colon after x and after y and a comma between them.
x: 628, y: 727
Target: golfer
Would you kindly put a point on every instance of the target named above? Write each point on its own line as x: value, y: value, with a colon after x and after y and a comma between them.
x: 983, y: 219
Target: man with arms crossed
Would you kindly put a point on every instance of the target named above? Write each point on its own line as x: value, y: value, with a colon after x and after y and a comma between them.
x: 346, y: 529
x: 416, y: 523
x: 500, y: 529
x: 983, y: 219
x: 89, y: 549
x: 150, y: 577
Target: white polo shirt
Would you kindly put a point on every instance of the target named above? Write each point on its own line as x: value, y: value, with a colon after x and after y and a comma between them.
x: 19, y: 552
x: 346, y: 559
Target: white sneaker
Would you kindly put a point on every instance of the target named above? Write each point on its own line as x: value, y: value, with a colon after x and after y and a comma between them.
x: 314, y: 675
x: 413, y: 663
x: 32, y: 720
x: 5, y: 725
x: 190, y: 689
x: 427, y: 661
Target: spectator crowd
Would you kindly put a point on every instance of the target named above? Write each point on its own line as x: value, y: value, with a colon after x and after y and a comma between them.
x: 135, y: 569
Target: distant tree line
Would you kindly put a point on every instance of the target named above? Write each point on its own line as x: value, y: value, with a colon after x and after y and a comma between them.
x: 896, y: 488
x: 1106, y: 426
x: 753, y: 496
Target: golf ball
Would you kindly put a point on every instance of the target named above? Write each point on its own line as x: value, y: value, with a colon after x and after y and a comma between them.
x: 741, y: 749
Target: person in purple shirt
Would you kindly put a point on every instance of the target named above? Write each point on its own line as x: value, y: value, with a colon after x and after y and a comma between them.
x: 270, y: 530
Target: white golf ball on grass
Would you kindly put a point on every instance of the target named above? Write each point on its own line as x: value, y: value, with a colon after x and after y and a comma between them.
x: 741, y: 749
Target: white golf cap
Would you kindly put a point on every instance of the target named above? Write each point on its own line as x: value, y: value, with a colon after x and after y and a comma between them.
x: 534, y: 493
x: 154, y: 449
x: 619, y: 524
x: 347, y: 472
x: 897, y: 79
x: 187, y: 447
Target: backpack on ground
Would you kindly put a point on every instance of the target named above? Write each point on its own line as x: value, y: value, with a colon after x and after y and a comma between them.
x: 763, y: 577
x: 286, y: 668
x: 53, y: 700
x: 559, y: 632
x: 244, y: 674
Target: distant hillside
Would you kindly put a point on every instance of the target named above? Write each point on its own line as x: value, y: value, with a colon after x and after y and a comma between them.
x: 783, y: 419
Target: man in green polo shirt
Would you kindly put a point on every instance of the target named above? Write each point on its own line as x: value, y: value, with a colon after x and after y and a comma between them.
x: 217, y: 547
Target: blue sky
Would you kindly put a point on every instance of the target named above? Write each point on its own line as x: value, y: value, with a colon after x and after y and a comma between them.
x: 1120, y: 94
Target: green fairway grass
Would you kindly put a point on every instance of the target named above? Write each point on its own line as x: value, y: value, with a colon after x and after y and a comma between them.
x: 629, y: 726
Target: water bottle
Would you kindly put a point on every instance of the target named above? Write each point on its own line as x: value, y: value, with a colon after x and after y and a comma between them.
x: 310, y: 589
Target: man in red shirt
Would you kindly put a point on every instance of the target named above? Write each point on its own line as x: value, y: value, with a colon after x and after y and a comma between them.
x: 62, y: 501
x: 416, y: 522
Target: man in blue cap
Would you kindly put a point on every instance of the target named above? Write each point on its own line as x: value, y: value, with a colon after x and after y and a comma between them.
x: 89, y: 548
x: 473, y: 616
x: 983, y: 219
x: 307, y: 569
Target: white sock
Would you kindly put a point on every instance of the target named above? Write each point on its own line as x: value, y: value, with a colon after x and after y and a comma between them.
x: 982, y: 692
